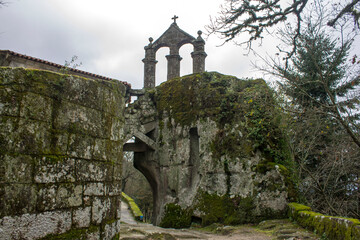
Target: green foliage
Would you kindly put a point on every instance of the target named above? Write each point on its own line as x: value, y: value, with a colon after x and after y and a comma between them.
x: 176, y: 217
x: 322, y: 102
x: 317, y: 69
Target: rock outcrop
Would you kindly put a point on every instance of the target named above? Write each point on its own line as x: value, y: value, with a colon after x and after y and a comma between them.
x: 217, y: 152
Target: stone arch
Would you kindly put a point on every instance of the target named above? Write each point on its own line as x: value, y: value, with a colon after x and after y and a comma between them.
x: 173, y: 38
x: 144, y: 148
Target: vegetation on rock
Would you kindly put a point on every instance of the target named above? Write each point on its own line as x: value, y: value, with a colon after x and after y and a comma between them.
x: 176, y: 217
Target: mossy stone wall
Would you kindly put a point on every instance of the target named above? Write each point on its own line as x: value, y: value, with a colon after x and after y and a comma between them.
x: 328, y: 226
x: 60, y: 155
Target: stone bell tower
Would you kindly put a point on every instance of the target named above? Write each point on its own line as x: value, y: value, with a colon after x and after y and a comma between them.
x: 173, y: 38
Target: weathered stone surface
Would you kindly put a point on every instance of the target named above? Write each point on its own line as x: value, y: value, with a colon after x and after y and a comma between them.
x: 60, y: 143
x: 100, y: 209
x: 218, y: 151
x: 32, y: 137
x: 114, y: 188
x: 16, y: 169
x: 79, y: 119
x: 111, y: 230
x: 9, y: 101
x: 16, y: 199
x: 57, y: 196
x: 35, y: 226
x: 51, y: 169
x: 80, y: 146
x: 94, y: 171
x: 95, y: 189
x: 82, y: 217
x: 35, y: 106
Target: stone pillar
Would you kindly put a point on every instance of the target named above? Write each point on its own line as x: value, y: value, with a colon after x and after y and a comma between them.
x: 173, y: 66
x: 149, y: 66
x: 199, y: 54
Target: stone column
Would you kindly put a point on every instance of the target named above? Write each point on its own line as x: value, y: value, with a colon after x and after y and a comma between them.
x: 173, y: 66
x: 149, y: 66
x: 199, y: 54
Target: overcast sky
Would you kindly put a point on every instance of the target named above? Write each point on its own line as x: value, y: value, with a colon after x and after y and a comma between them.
x: 109, y: 36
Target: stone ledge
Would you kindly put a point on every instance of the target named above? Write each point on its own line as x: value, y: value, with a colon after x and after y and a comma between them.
x: 331, y: 227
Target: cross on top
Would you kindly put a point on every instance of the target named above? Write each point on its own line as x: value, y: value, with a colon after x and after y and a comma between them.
x: 174, y: 18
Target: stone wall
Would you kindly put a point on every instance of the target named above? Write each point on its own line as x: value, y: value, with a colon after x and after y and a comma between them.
x: 60, y: 155
x: 328, y: 227
x: 220, y: 154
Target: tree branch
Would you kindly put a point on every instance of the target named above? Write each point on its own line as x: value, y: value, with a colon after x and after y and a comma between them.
x: 348, y: 9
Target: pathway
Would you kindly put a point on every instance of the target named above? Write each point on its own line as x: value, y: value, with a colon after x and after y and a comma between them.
x: 267, y: 230
x: 126, y: 215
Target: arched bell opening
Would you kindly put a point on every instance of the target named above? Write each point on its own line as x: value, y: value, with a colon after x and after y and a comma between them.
x: 161, y: 66
x: 186, y: 66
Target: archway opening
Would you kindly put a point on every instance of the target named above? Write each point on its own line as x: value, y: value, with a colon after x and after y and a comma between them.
x: 135, y: 185
x: 161, y: 66
x: 186, y: 66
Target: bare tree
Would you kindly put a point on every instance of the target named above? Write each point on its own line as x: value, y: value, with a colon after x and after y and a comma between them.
x: 254, y: 17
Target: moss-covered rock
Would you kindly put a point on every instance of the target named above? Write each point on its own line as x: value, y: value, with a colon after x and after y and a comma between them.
x: 241, y: 109
x: 221, y: 149
x: 224, y: 209
x: 176, y: 217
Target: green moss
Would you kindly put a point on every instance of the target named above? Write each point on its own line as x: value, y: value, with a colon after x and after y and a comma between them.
x: 331, y: 227
x: 192, y: 97
x: 244, y: 110
x: 74, y: 234
x: 176, y: 217
x: 223, y: 209
x: 296, y: 207
x: 133, y: 206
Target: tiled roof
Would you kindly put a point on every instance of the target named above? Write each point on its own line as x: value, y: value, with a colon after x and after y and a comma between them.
x: 61, y: 66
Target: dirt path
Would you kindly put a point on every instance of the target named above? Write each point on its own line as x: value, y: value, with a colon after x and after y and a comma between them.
x: 147, y: 231
x: 126, y: 216
x: 268, y: 230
